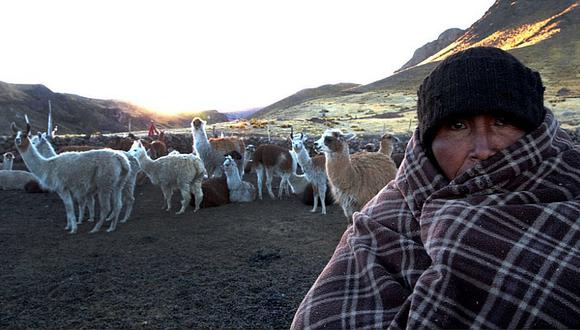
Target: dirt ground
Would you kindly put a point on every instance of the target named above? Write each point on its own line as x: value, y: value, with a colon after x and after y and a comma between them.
x: 233, y: 266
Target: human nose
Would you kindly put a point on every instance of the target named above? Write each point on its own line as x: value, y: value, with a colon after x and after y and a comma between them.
x: 483, y: 147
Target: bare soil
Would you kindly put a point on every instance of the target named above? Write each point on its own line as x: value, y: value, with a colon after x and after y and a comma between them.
x: 233, y: 266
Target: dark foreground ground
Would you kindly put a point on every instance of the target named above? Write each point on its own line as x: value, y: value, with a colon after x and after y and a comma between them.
x: 234, y: 266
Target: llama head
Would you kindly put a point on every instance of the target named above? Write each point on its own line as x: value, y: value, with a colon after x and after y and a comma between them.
x: 197, y: 124
x: 298, y: 141
x: 249, y: 152
x: 8, y: 156
x: 136, y: 149
x: 229, y: 164
x: 333, y: 140
x: 21, y: 141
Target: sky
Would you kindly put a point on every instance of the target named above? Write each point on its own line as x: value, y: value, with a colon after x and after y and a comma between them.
x: 225, y: 55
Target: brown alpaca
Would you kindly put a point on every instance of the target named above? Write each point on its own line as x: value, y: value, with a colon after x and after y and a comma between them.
x: 355, y: 179
x: 274, y: 160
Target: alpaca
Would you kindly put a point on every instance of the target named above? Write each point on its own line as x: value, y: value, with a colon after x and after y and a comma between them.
x: 212, y: 151
x: 75, y: 175
x: 274, y: 160
x: 240, y: 191
x: 15, y: 180
x: 8, y: 161
x: 158, y: 148
x: 357, y: 178
x: 314, y: 169
x: 46, y: 150
x: 183, y: 171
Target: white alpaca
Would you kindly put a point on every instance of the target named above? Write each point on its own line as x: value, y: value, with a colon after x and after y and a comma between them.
x: 357, y: 178
x: 46, y: 149
x: 239, y: 191
x: 8, y: 161
x: 274, y: 160
x: 184, y: 172
x: 74, y: 175
x: 314, y: 170
x: 15, y: 180
x: 212, y: 151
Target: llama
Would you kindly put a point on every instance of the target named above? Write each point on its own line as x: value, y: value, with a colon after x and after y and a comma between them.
x: 46, y: 150
x: 15, y: 180
x: 314, y: 169
x: 240, y: 191
x: 8, y: 161
x: 158, y: 148
x: 75, y: 175
x: 248, y: 155
x: 354, y: 179
x: 183, y: 171
x: 212, y: 151
x: 274, y: 160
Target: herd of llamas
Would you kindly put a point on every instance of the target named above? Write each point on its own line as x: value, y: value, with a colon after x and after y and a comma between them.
x: 212, y: 175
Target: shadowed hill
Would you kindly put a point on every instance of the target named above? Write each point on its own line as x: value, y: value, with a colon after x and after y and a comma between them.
x: 77, y: 114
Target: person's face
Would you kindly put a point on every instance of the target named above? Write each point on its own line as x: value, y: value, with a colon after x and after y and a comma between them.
x: 459, y: 144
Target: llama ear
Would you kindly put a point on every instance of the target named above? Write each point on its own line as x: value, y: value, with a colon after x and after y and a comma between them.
x: 303, y: 136
x: 14, y: 127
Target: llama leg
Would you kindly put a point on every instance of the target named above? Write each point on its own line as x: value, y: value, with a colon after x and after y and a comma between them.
x: 91, y: 203
x: 129, y: 201
x: 117, y: 206
x: 269, y: 177
x: 70, y: 211
x: 198, y: 193
x: 281, y: 187
x: 315, y: 194
x: 168, y: 193
x: 260, y: 175
x: 322, y: 196
x: 81, y: 204
x: 185, y: 190
x: 105, y: 203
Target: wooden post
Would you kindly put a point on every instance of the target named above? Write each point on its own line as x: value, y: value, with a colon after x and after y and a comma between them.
x: 49, y: 127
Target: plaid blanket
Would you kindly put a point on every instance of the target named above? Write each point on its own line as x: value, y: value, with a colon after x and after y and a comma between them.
x: 497, y: 247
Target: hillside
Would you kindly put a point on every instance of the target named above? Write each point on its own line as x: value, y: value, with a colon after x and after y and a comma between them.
x: 303, y: 96
x: 542, y: 34
x: 77, y: 114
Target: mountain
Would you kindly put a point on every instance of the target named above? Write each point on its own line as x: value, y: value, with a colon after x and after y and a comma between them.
x: 243, y: 114
x: 305, y: 95
x: 430, y: 48
x: 77, y: 114
x: 542, y: 34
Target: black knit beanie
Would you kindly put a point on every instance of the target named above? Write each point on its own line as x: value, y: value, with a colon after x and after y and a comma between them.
x: 480, y: 80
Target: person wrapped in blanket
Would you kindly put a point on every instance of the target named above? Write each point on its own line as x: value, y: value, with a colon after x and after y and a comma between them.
x: 480, y: 227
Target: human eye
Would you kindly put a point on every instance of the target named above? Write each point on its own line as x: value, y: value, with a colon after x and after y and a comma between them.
x: 500, y: 121
x: 457, y: 125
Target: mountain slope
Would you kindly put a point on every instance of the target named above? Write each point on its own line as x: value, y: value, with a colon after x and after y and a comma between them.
x: 542, y: 34
x: 303, y: 96
x: 77, y: 114
x: 430, y: 48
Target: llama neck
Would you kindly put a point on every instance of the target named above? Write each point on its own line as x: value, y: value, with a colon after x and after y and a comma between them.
x: 45, y: 148
x: 145, y: 161
x: 339, y: 168
x: 201, y: 142
x: 7, y: 165
x: 386, y: 148
x: 35, y: 162
x: 304, y: 159
x: 233, y: 178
